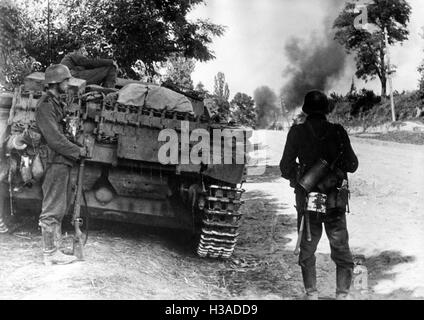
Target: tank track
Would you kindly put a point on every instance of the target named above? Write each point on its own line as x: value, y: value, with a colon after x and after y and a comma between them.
x: 220, y: 222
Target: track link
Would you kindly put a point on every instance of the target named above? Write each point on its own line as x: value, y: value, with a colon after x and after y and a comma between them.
x: 220, y: 222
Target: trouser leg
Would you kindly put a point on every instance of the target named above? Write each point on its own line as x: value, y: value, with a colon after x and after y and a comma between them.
x: 55, y: 203
x: 336, y: 229
x: 105, y: 76
x: 110, y: 79
x: 4, y: 207
x: 307, y: 259
x: 55, y: 196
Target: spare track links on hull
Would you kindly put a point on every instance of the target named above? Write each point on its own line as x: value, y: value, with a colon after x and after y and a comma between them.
x: 220, y: 222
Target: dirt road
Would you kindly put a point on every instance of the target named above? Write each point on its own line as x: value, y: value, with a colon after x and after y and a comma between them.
x: 130, y: 262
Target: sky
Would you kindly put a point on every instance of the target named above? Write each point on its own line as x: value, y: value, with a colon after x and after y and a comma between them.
x: 251, y: 52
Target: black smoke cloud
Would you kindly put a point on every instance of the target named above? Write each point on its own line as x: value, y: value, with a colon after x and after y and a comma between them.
x: 314, y: 63
x: 266, y: 107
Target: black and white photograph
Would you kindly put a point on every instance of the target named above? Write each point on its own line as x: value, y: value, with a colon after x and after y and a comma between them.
x: 222, y: 151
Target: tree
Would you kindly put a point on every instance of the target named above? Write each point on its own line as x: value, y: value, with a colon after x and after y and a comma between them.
x: 125, y: 30
x: 421, y: 82
x: 15, y: 63
x: 221, y: 95
x: 243, y: 110
x: 47, y: 35
x: 154, y: 30
x: 370, y: 48
x: 178, y: 71
x: 266, y: 107
x: 200, y: 87
x: 221, y: 87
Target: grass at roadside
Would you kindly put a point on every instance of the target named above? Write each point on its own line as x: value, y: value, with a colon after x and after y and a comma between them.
x: 416, y: 138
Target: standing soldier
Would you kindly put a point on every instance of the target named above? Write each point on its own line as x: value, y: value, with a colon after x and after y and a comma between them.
x: 61, y: 157
x: 319, y: 141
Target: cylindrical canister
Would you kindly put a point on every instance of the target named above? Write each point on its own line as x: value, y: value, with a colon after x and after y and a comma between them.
x: 314, y: 175
x: 317, y: 203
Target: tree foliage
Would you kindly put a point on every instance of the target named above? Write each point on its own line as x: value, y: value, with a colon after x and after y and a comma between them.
x: 200, y: 87
x: 154, y: 30
x: 369, y: 47
x: 178, y: 70
x: 221, y: 87
x: 221, y: 96
x: 125, y: 30
x: 363, y: 108
x: 14, y: 61
x: 243, y: 110
x: 421, y: 82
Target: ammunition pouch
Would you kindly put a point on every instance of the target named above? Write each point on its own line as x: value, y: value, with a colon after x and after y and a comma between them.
x: 327, y: 203
x: 338, y: 199
x: 316, y: 203
x: 330, y: 181
x: 322, y: 188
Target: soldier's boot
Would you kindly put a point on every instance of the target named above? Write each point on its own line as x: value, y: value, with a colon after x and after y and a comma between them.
x: 309, y: 276
x: 343, y: 281
x: 51, y: 253
x: 6, y: 222
x: 58, y: 240
x: 58, y: 236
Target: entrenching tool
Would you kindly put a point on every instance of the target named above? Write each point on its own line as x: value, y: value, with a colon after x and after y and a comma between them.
x: 299, y: 237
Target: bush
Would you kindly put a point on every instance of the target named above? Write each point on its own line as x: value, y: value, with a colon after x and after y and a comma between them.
x: 366, y: 109
x: 341, y: 112
x: 350, y: 109
x: 405, y: 105
x: 362, y: 102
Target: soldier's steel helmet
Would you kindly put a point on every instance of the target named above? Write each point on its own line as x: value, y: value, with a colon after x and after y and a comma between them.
x: 316, y: 102
x: 57, y: 73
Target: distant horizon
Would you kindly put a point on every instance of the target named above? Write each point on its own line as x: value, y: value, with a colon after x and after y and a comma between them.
x: 251, y: 55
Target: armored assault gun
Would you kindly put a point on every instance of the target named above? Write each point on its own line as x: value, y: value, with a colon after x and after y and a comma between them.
x: 125, y: 178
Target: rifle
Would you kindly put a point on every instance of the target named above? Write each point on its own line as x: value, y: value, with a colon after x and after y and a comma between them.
x: 76, y: 219
x: 88, y: 143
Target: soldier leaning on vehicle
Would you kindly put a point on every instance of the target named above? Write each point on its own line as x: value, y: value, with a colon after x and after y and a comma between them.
x: 94, y: 71
x: 313, y: 141
x: 61, y: 157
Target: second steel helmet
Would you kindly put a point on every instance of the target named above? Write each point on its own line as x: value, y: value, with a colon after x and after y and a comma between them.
x: 57, y: 73
x: 316, y: 102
